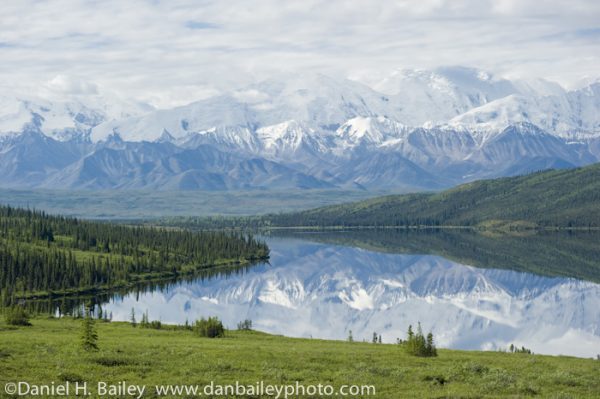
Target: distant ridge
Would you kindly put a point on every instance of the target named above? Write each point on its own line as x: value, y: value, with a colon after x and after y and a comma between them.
x: 554, y: 198
x: 561, y: 198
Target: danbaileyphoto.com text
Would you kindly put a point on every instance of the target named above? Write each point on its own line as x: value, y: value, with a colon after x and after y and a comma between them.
x: 212, y: 389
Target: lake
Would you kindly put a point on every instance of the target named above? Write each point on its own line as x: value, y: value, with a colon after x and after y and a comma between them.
x: 472, y: 292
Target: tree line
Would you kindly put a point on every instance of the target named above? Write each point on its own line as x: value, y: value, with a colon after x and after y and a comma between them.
x: 549, y: 199
x: 41, y: 253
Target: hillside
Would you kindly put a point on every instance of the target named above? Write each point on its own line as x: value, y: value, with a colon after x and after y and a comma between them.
x: 42, y: 254
x: 561, y: 198
x: 176, y: 356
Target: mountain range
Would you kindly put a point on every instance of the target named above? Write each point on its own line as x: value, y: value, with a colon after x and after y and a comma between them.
x: 414, y: 130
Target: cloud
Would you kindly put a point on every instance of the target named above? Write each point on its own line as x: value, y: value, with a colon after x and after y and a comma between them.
x: 200, y: 25
x: 251, y: 96
x: 70, y: 86
x: 155, y: 49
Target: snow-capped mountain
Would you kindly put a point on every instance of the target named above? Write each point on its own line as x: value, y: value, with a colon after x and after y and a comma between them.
x: 322, y: 291
x: 64, y: 119
x: 413, y: 130
x: 565, y: 115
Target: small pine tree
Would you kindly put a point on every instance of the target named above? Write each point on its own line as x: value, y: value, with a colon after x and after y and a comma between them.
x: 416, y: 344
x: 350, y: 337
x: 145, y: 319
x: 210, y: 328
x: 89, y: 337
x: 132, y: 319
x: 380, y: 338
x: 430, y: 347
x: 374, y: 338
x: 245, y: 325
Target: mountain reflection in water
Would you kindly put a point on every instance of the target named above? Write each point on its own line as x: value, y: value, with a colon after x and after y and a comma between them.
x: 324, y: 290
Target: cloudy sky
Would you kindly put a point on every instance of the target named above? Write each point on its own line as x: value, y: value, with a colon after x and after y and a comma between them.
x: 172, y: 52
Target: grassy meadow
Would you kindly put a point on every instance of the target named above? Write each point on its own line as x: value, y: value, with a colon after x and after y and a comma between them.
x: 49, y: 350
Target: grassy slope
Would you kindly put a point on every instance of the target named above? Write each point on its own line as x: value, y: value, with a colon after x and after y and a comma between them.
x: 48, y: 351
x: 546, y: 198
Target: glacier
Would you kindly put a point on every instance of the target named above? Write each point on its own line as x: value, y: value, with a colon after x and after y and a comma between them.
x: 414, y: 130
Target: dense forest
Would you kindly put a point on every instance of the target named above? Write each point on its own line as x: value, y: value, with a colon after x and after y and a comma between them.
x: 555, y: 198
x: 42, y: 254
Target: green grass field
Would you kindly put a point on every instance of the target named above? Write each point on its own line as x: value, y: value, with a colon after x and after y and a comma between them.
x: 49, y: 351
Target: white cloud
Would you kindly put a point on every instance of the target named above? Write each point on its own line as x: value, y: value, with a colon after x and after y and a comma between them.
x: 69, y: 85
x: 153, y: 50
x: 251, y: 96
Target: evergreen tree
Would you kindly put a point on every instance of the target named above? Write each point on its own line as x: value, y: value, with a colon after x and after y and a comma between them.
x: 245, y: 325
x: 416, y: 344
x: 430, y: 347
x: 89, y: 337
x: 210, y: 328
x: 132, y: 318
x: 113, y: 254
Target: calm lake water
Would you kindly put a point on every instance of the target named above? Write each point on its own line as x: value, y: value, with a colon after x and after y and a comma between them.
x: 326, y: 286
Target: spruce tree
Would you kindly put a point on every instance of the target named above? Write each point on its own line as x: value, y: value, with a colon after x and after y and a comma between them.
x: 89, y: 336
x: 430, y: 347
x: 132, y: 319
x: 416, y: 344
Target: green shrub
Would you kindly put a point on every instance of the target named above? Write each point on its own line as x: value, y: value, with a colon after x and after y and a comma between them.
x: 108, y: 361
x: 211, y: 327
x: 245, y: 325
x: 155, y: 324
x: 70, y: 377
x: 17, y: 316
x: 418, y: 345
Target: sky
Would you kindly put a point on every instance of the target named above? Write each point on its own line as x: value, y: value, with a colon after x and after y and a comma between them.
x: 170, y: 53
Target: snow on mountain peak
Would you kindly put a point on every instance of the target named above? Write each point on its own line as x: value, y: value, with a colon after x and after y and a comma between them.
x: 63, y: 117
x: 433, y: 129
x: 371, y: 130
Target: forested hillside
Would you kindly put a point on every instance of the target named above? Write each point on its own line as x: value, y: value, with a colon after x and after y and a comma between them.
x: 40, y: 254
x: 555, y: 198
